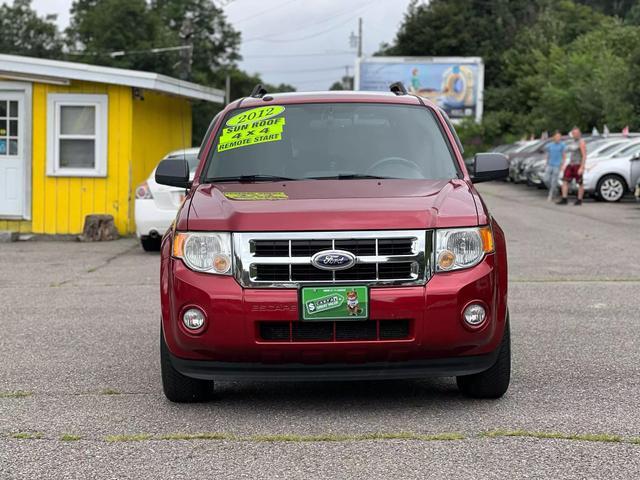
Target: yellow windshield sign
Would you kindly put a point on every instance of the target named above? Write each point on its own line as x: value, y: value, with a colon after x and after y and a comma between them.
x: 252, y: 127
x: 260, y: 113
x: 256, y: 195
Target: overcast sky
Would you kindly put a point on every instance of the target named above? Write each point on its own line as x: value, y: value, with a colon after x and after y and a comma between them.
x: 301, y: 42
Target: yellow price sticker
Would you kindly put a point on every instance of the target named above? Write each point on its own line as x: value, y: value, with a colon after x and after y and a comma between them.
x: 260, y: 113
x: 253, y: 133
x: 256, y: 195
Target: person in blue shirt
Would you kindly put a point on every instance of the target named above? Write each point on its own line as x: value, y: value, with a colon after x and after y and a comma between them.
x: 556, y: 156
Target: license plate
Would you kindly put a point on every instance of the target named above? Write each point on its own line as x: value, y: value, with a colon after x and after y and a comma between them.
x: 335, y: 303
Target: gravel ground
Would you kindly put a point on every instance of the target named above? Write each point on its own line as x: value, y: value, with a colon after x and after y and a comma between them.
x: 79, y: 339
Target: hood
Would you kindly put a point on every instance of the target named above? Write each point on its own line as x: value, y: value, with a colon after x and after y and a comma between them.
x: 332, y: 205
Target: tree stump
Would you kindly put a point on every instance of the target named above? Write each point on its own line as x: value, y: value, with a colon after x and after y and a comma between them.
x: 99, y: 228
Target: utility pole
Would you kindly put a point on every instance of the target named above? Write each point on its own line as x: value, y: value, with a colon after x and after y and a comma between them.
x: 347, y: 81
x: 227, y: 89
x: 355, y: 41
x: 360, y: 37
x: 186, y: 57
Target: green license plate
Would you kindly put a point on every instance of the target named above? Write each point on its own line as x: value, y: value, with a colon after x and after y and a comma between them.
x: 335, y: 303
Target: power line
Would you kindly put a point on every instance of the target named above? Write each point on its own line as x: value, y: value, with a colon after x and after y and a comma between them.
x: 121, y: 53
x: 334, y: 16
x: 267, y: 39
x: 328, y: 69
x: 257, y: 14
x: 315, y: 54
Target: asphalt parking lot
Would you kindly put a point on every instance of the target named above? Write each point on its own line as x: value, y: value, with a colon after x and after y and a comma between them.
x: 80, y: 393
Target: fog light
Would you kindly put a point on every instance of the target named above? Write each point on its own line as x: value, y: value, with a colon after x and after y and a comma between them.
x: 475, y: 315
x: 193, y: 319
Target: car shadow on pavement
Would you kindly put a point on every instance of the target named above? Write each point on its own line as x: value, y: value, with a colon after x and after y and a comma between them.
x: 336, y: 395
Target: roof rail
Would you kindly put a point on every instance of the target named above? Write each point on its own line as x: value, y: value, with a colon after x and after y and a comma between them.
x: 258, y: 91
x: 398, y: 88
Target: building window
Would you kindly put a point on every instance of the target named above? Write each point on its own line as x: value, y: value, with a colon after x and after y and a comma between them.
x: 77, y: 135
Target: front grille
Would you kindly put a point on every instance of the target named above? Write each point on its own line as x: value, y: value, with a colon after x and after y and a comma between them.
x: 307, y: 248
x: 394, y: 246
x: 271, y: 248
x: 395, y: 270
x: 283, y: 260
x: 359, y: 248
x: 353, y: 330
x: 308, y: 273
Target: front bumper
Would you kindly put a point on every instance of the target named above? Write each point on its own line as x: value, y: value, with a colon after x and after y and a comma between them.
x: 438, y: 367
x: 231, y: 345
x: 150, y: 219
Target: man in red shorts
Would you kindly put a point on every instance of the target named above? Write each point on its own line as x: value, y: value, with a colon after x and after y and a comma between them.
x: 575, y: 169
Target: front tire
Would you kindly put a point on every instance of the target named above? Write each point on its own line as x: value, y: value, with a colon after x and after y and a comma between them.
x: 611, y: 188
x: 179, y: 388
x: 150, y: 244
x: 494, y: 382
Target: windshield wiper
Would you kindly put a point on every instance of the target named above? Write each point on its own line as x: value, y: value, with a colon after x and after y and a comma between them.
x: 350, y: 176
x: 248, y: 178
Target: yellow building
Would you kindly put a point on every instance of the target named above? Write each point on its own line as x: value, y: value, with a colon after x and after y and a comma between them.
x: 76, y: 139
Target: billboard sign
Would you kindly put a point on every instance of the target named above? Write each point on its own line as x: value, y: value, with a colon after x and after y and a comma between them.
x: 454, y: 83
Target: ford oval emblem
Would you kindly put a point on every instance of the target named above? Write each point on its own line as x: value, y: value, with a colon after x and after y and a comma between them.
x: 333, y: 260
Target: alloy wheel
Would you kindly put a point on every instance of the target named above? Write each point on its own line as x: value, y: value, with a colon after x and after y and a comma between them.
x: 611, y: 189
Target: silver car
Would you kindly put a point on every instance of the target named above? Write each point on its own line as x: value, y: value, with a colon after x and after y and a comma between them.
x: 609, y: 178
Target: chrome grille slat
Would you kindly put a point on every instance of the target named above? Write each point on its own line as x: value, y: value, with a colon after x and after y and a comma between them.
x: 413, y: 268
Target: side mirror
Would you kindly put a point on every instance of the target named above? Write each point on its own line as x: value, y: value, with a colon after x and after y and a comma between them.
x: 490, y: 166
x: 174, y: 173
x: 636, y: 156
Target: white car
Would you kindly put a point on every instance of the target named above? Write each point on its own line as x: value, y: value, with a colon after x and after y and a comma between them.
x: 611, y: 177
x: 156, y: 205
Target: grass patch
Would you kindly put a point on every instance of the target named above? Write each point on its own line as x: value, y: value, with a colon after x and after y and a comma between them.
x: 16, y: 394
x: 585, y: 437
x: 356, y: 437
x: 27, y: 435
x: 69, y: 437
x: 138, y: 437
x: 109, y: 391
x: 328, y: 437
x: 197, y: 436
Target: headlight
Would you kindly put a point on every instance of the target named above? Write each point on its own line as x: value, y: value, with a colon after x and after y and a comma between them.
x: 462, y: 247
x: 204, y: 251
x: 590, y: 166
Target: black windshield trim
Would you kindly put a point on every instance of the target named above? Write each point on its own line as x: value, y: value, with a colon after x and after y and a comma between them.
x: 251, y: 178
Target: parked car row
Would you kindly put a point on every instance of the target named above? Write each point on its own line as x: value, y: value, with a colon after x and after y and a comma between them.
x: 612, y: 169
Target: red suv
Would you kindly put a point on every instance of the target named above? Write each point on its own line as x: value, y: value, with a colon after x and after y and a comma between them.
x: 333, y: 236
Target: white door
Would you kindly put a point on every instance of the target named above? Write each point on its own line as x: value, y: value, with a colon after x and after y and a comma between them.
x: 12, y: 154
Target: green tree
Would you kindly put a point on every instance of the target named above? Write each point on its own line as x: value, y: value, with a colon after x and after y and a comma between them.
x: 633, y: 15
x: 463, y: 28
x: 99, y: 27
x: 558, y: 24
x: 203, y: 26
x: 346, y: 83
x: 618, y: 8
x: 23, y: 32
x: 241, y: 85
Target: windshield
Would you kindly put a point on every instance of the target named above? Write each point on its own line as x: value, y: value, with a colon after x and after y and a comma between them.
x: 630, y: 150
x: 534, y: 147
x: 343, y: 140
x: 610, y: 148
x: 191, y: 158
